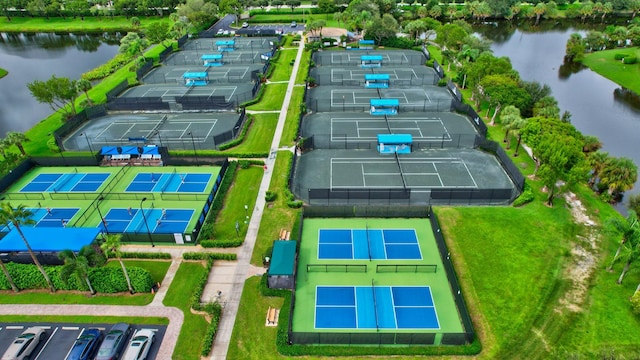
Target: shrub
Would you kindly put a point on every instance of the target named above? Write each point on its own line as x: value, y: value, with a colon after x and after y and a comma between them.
x: 144, y: 255
x: 243, y: 133
x: 209, y: 256
x: 619, y: 56
x: 442, y: 82
x: 270, y: 196
x: 527, y: 196
x: 103, y: 279
x: 221, y: 243
x: 630, y: 60
x: 107, y: 68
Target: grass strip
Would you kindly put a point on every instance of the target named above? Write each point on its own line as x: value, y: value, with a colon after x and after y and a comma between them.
x: 158, y: 269
x: 71, y: 24
x: 272, y: 99
x: 243, y: 192
x: 290, y: 131
x: 189, y: 345
x: 282, y: 70
x: 3, y: 73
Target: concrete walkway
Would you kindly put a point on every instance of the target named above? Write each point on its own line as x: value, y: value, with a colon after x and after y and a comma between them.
x: 221, y: 343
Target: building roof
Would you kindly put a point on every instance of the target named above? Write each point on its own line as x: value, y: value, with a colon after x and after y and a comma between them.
x: 283, y: 257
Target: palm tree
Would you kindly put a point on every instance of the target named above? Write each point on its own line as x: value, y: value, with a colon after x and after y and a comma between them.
x: 516, y: 128
x: 76, y: 266
x: 17, y: 139
x: 111, y: 247
x: 84, y: 86
x: 17, y: 217
x: 508, y: 117
x: 619, y: 174
x: 539, y: 10
x: 626, y: 228
x: 631, y: 252
x: 597, y: 161
x: 8, y: 276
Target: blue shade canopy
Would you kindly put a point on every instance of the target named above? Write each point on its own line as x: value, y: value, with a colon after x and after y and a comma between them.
x: 47, y: 239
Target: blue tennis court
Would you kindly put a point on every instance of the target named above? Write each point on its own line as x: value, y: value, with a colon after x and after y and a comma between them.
x: 54, y: 218
x: 131, y: 220
x: 174, y: 182
x: 375, y: 307
x: 72, y: 182
x: 378, y: 244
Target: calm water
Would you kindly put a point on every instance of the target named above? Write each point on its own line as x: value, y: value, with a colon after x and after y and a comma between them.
x: 30, y: 57
x: 597, y: 106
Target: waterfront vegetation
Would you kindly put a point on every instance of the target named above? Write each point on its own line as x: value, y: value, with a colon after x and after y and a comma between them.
x: 514, y: 263
x: 71, y: 24
x: 605, y: 64
x: 3, y: 73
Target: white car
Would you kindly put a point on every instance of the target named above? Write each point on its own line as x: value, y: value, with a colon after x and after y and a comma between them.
x: 226, y: 32
x: 139, y: 346
x: 220, y: 31
x: 24, y: 344
x: 245, y: 24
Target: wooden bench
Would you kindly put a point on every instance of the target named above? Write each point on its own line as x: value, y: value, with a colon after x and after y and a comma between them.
x: 284, y: 234
x: 271, y: 316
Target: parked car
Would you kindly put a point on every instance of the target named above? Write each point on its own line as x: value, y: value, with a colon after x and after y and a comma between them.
x: 24, y: 344
x: 245, y: 24
x: 86, y: 345
x: 139, y: 345
x: 226, y: 32
x: 294, y: 24
x: 114, y: 341
x: 220, y: 31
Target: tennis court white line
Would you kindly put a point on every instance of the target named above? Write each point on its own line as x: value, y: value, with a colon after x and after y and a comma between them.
x: 469, y: 172
x: 393, y: 305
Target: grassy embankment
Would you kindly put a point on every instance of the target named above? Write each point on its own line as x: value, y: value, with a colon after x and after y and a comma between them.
x: 3, y: 73
x: 70, y: 24
x: 626, y: 75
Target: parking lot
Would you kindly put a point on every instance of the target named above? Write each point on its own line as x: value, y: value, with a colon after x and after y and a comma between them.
x: 59, y: 338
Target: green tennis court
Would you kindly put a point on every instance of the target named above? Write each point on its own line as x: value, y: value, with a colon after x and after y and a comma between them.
x: 348, y: 300
x: 173, y: 205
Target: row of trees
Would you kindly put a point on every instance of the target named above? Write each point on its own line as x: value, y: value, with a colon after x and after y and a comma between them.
x: 612, y: 37
x: 563, y: 156
x: 76, y: 266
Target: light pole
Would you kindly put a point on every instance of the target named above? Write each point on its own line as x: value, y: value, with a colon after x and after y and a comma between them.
x: 64, y: 161
x: 104, y: 222
x: 246, y: 214
x: 88, y: 143
x: 193, y: 143
x: 144, y: 217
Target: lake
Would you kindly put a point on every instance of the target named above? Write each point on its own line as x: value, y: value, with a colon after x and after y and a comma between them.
x: 37, y: 56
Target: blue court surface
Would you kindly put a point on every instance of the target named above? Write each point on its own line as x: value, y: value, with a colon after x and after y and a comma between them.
x: 55, y: 218
x: 132, y: 221
x: 375, y: 307
x: 174, y: 182
x: 378, y: 244
x: 73, y: 182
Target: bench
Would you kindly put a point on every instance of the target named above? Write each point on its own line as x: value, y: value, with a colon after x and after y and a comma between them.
x: 284, y: 234
x: 271, y: 316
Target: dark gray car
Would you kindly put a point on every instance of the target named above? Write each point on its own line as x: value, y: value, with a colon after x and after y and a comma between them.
x: 113, y: 343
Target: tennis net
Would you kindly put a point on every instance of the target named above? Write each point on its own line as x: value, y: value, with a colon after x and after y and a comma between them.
x: 361, y: 268
x: 164, y: 186
x: 391, y: 268
x: 375, y: 303
x: 368, y: 239
x: 386, y: 120
x: 68, y: 178
x: 404, y: 183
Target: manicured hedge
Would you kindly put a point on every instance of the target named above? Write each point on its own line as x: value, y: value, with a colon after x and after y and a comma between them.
x: 209, y: 256
x: 221, y: 243
x: 144, y: 255
x: 240, y: 138
x: 103, y: 279
x: 107, y: 68
x: 291, y: 199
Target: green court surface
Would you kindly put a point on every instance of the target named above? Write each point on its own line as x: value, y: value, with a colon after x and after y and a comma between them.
x: 182, y: 191
x: 309, y: 279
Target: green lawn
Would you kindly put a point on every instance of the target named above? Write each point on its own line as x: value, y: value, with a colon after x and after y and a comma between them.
x: 290, y: 131
x: 249, y: 325
x: 303, y: 70
x: 189, y: 344
x: 286, y: 19
x: 3, y: 73
x: 90, y: 23
x: 603, y: 63
x: 260, y: 135
x: 157, y: 268
x: 277, y: 215
x: 282, y: 71
x: 272, y: 98
x: 243, y: 192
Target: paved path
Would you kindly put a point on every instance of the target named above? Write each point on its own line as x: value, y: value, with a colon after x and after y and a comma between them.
x: 221, y: 343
